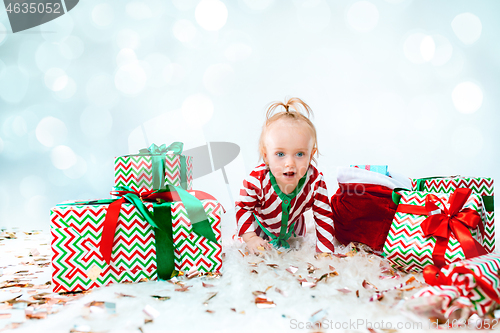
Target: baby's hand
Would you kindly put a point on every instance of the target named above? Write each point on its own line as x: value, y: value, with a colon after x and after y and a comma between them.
x: 254, y: 242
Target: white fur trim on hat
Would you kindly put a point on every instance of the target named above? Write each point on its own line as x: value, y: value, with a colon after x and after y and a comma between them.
x: 362, y: 176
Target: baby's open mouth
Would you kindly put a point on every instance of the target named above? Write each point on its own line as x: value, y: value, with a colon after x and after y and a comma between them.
x: 289, y: 174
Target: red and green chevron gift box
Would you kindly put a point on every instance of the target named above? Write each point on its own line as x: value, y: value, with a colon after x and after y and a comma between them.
x: 139, y: 171
x: 473, y: 284
x: 79, y: 265
x: 478, y: 185
x: 412, y: 247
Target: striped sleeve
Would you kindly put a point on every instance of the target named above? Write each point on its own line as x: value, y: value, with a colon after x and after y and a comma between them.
x: 247, y: 202
x: 323, y: 218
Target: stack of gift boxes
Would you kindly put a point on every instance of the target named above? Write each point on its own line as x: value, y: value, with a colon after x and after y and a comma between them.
x: 154, y: 227
x: 445, y: 228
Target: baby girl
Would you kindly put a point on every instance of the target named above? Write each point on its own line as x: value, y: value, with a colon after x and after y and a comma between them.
x: 276, y: 194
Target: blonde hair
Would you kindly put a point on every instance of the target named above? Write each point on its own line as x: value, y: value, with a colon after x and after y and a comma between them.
x: 292, y: 107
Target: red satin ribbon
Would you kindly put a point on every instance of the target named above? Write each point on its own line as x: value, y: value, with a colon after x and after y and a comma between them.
x: 113, y: 212
x: 435, y: 277
x: 454, y: 220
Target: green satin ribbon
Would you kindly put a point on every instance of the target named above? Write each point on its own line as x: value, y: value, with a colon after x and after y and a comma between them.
x: 286, y: 199
x: 157, y: 154
x: 488, y: 200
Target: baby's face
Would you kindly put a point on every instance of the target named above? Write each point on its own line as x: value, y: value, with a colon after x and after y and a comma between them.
x: 288, y: 151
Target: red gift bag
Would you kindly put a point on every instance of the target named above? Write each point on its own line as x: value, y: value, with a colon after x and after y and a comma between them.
x: 362, y: 206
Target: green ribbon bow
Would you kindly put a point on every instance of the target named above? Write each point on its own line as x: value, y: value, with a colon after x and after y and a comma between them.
x: 157, y: 154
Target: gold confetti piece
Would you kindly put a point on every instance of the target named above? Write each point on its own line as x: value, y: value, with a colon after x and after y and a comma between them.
x: 357, y: 293
x: 253, y: 271
x: 233, y: 309
x: 410, y: 280
x: 94, y: 272
x: 258, y: 292
x: 340, y: 255
x: 242, y: 254
x: 345, y: 290
x: 368, y: 285
x: 210, y: 311
x: 311, y: 268
x: 261, y: 248
x: 273, y: 265
x: 279, y: 252
x: 262, y: 302
x: 253, y: 264
x: 301, y: 280
x: 161, y: 298
x: 268, y: 288
x: 207, y: 285
x: 292, y: 269
x: 124, y: 295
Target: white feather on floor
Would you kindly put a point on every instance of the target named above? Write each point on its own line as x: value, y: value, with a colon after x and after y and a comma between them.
x: 185, y: 311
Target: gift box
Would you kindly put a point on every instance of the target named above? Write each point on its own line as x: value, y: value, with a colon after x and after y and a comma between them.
x: 435, y: 229
x: 382, y: 169
x: 481, y: 186
x: 99, y: 242
x: 472, y: 284
x: 154, y: 167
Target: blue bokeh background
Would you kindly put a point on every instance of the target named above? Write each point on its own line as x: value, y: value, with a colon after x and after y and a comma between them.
x: 412, y: 84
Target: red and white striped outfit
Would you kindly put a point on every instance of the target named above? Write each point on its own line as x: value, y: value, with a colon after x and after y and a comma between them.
x: 260, y: 198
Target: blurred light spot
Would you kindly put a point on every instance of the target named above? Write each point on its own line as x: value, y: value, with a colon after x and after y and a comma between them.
x: 102, y: 15
x: 68, y: 91
x: 1, y: 145
x: 130, y: 79
x: 32, y: 185
x: 56, y: 79
x: 125, y: 57
x: 219, y: 78
x: 467, y: 27
x: 96, y: 122
x: 197, y: 110
x: 184, y: 30
x: 211, y: 14
x: 258, y: 4
x: 48, y: 55
x: 56, y: 177
x: 78, y: 170
x: 19, y: 127
x: 157, y: 63
x: 58, y: 30
x: 71, y: 48
x: 174, y: 73
x: 412, y: 48
x: 237, y: 52
x: 461, y: 141
x: 127, y: 38
x: 363, y: 16
x: 3, y: 36
x: 138, y: 10
x: 63, y: 157
x: 452, y: 68
x: 51, y: 131
x: 184, y: 4
x: 37, y: 208
x: 313, y: 16
x: 467, y: 97
x: 415, y: 76
x: 14, y: 84
x: 101, y: 90
x: 427, y: 48
x: 443, y: 50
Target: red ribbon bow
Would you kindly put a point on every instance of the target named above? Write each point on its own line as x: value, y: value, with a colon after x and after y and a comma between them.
x: 441, y: 223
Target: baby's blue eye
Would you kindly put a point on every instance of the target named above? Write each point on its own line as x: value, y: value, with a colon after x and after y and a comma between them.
x: 300, y: 154
x: 280, y: 154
